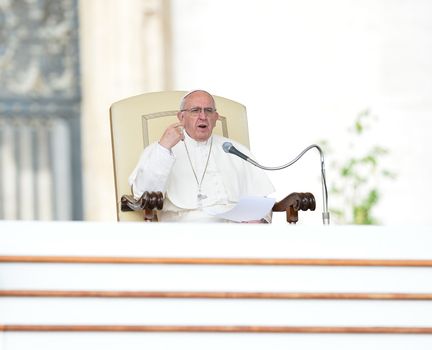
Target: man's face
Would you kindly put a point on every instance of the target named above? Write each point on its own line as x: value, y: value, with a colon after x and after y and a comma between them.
x: 199, y: 116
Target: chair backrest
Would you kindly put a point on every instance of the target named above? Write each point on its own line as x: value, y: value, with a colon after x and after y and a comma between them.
x: 140, y: 120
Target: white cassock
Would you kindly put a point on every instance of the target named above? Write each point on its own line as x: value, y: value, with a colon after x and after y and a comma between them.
x: 226, y: 178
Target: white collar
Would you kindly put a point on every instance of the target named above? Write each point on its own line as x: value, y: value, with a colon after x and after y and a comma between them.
x: 192, y: 142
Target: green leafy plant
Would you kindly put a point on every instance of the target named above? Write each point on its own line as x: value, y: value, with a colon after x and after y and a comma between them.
x: 355, y: 188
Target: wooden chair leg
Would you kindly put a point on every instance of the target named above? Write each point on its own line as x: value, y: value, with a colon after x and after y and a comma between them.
x: 291, y: 215
x: 148, y: 215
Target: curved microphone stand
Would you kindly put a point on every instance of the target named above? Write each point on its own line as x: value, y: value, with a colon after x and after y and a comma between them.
x: 228, y: 147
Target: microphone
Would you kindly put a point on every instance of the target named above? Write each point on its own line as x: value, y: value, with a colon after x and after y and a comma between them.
x: 229, y: 148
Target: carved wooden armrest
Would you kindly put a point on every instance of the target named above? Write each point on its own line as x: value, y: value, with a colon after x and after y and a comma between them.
x: 146, y: 203
x: 293, y: 203
x: 150, y: 201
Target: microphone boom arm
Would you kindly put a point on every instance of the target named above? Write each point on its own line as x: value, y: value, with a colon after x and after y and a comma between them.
x: 325, y: 214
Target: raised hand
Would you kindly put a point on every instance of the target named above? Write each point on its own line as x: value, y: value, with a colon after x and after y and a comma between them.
x: 172, y: 135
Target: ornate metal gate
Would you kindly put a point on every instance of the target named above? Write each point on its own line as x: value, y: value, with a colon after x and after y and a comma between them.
x: 40, y: 152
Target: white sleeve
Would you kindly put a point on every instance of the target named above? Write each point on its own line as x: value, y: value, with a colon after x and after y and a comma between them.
x: 152, y: 171
x: 255, y: 180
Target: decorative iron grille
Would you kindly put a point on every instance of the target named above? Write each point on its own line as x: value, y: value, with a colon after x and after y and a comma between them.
x: 40, y: 152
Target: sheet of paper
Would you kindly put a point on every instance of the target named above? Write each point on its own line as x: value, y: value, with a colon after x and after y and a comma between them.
x: 248, y: 209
